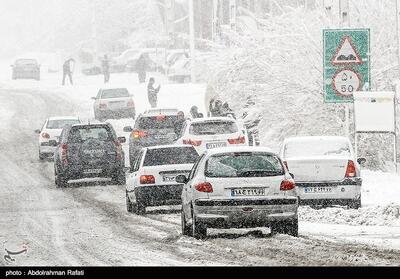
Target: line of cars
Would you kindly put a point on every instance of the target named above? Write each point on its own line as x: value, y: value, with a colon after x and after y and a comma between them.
x: 207, y: 165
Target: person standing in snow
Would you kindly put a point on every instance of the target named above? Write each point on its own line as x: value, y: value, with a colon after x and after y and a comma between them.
x: 152, y: 92
x: 227, y: 111
x: 251, y: 118
x: 105, y: 64
x: 194, y: 111
x: 141, y: 68
x: 67, y: 70
x: 216, y: 108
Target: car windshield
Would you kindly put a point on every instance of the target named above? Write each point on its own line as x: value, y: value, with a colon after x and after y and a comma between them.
x: 81, y: 134
x: 170, y: 156
x: 26, y: 62
x: 244, y: 164
x: 114, y: 93
x: 317, y: 147
x: 159, y: 122
x: 61, y: 123
x: 213, y: 128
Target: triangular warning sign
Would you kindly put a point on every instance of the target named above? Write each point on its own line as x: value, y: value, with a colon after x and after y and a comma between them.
x: 346, y: 53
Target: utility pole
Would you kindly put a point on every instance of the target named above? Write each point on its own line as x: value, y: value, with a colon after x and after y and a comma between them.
x: 192, y: 43
x: 344, y: 17
x: 398, y: 30
x: 94, y: 29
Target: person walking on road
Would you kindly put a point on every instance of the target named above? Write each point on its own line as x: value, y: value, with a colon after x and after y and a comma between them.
x: 106, y: 68
x: 67, y: 70
x: 152, y: 92
x: 141, y: 68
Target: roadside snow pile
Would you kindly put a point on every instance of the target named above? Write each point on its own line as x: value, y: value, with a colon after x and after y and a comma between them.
x: 387, y: 215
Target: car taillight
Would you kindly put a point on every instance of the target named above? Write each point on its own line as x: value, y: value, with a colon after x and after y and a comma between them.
x: 351, y: 169
x: 118, y: 148
x: 192, y: 142
x: 136, y: 134
x: 64, y: 150
x: 205, y: 187
x: 238, y: 140
x: 45, y: 135
x: 286, y: 165
x: 130, y: 104
x: 287, y: 184
x: 103, y: 106
x: 147, y: 179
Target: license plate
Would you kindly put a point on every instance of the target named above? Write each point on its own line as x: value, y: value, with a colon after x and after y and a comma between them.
x: 318, y: 190
x: 91, y: 171
x: 169, y: 178
x: 248, y: 192
x: 215, y: 145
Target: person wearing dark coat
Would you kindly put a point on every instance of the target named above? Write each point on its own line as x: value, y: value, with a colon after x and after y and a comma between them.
x: 67, y: 70
x: 152, y: 92
x: 105, y: 64
x: 141, y: 68
x: 195, y: 113
x: 227, y: 111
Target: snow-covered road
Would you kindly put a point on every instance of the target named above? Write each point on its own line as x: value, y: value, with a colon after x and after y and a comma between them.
x: 87, y: 224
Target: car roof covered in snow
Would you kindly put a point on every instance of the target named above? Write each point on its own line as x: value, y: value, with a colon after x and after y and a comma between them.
x: 64, y: 118
x: 210, y: 119
x: 237, y: 149
x: 315, y: 138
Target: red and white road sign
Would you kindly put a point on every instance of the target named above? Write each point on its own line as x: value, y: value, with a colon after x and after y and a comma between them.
x: 346, y: 82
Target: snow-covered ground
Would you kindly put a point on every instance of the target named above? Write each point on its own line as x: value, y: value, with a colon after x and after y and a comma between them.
x: 88, y: 224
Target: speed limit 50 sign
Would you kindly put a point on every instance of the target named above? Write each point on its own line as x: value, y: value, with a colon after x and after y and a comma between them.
x: 346, y: 64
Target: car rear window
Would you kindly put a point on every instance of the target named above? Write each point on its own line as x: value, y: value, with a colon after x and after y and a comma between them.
x: 159, y: 122
x: 170, y: 156
x: 59, y: 124
x: 316, y: 147
x: 81, y: 134
x: 244, y: 164
x: 26, y: 62
x: 115, y: 93
x: 213, y: 128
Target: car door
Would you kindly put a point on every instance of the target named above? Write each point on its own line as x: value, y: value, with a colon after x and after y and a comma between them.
x: 187, y: 189
x: 130, y: 185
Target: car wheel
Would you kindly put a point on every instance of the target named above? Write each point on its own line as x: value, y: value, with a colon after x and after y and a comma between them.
x: 139, y: 206
x: 199, y: 230
x: 119, y: 178
x: 41, y: 156
x: 290, y: 227
x: 129, y: 206
x: 61, y: 181
x: 355, y: 204
x: 186, y: 230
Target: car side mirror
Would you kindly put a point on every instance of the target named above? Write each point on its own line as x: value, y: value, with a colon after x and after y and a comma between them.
x: 181, y: 179
x: 292, y: 175
x: 361, y: 161
x: 37, y: 131
x: 53, y: 143
x: 127, y: 129
x: 122, y: 139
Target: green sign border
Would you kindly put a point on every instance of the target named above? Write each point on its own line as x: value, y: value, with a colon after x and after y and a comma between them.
x: 338, y: 68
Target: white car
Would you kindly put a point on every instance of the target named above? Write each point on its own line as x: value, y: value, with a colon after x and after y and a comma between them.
x: 152, y: 178
x: 113, y: 103
x: 241, y: 187
x: 213, y: 132
x: 50, y: 133
x: 325, y: 170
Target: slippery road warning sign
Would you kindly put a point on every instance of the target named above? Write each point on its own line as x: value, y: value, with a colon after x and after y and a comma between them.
x: 346, y: 63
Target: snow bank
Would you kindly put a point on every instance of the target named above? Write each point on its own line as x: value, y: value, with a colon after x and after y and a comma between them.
x: 382, y: 215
